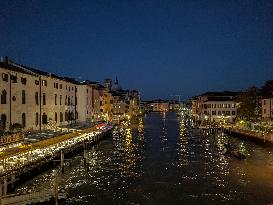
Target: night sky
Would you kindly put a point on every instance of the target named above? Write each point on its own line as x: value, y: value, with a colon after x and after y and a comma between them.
x: 162, y: 48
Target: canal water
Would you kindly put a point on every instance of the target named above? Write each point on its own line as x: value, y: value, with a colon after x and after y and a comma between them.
x: 161, y: 160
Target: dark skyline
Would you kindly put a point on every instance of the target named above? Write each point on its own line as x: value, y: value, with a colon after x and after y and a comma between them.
x: 162, y: 48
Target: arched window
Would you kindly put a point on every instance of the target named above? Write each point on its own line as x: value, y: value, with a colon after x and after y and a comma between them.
x: 55, y: 99
x: 68, y: 100
x: 23, y: 97
x: 44, y: 118
x: 44, y: 98
x: 24, y: 120
x: 66, y: 116
x: 69, y: 115
x: 72, y: 116
x: 61, y: 116
x: 3, y: 122
x: 37, y: 119
x: 36, y: 98
x: 56, y: 117
x: 4, y: 97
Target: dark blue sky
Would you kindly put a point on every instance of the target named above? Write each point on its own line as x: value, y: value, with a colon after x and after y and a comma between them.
x: 162, y: 48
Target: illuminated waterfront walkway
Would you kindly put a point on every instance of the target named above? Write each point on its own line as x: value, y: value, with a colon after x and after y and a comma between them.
x: 23, y: 157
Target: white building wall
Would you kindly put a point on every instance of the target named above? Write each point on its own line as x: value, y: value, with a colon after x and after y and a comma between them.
x: 51, y: 108
x: 214, y: 110
x: 82, y: 102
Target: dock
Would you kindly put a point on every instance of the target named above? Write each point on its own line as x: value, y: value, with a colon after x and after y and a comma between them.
x: 18, y: 165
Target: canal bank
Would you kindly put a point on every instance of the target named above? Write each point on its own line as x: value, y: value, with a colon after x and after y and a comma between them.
x: 258, y: 136
x: 161, y: 160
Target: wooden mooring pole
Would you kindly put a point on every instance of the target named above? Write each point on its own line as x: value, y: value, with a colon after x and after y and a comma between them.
x: 5, y: 188
x: 62, y: 161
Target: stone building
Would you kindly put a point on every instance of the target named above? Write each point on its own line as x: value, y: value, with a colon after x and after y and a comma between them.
x: 215, y: 106
x: 31, y: 99
x: 267, y: 108
x: 106, y: 103
x: 126, y: 103
x: 35, y: 99
x: 159, y: 105
x: 86, y: 101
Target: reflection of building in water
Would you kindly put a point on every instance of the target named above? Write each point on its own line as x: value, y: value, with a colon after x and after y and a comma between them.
x: 140, y: 128
x: 164, y: 115
x: 128, y: 139
x: 129, y: 155
x: 163, y: 137
x: 183, y: 151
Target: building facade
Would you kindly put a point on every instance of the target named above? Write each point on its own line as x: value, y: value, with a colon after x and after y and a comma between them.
x: 159, y: 105
x: 32, y: 99
x: 106, y: 103
x: 35, y: 100
x: 267, y: 108
x: 215, y: 106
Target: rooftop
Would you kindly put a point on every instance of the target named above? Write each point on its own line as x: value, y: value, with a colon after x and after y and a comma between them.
x: 10, y: 65
x: 220, y: 94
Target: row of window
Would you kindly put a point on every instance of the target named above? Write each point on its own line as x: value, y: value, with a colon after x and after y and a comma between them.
x: 220, y: 112
x: 4, y: 97
x: 13, y: 78
x: 68, y: 116
x: 268, y: 111
x: 67, y: 99
x: 3, y: 121
x: 205, y: 106
x: 269, y: 102
x: 57, y: 86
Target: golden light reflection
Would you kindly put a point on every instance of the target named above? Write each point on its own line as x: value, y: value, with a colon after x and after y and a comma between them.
x: 183, y: 152
x: 129, y: 155
x: 164, y: 115
x: 182, y: 127
x: 128, y: 138
x: 140, y: 128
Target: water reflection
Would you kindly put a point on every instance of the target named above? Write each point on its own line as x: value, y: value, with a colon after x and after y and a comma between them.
x: 164, y: 133
x: 161, y: 160
x: 183, y: 152
x: 140, y: 128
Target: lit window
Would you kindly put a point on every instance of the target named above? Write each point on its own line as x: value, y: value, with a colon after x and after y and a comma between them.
x: 5, y: 77
x: 44, y: 83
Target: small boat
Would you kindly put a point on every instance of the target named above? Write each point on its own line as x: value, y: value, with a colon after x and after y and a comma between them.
x: 234, y: 152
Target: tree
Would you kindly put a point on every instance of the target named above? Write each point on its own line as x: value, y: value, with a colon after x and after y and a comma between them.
x: 267, y: 88
x: 249, y: 104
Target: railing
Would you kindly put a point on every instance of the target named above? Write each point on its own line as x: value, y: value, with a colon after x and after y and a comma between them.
x: 31, y: 198
x: 266, y: 137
